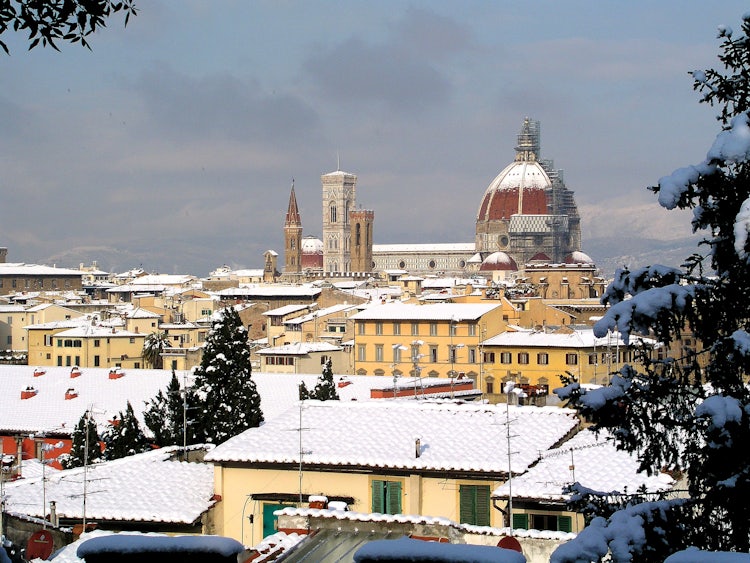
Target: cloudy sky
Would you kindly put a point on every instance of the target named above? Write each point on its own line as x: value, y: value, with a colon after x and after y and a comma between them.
x: 173, y: 143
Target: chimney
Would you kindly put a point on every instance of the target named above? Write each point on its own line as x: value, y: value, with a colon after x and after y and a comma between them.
x: 53, y: 514
x: 38, y: 372
x: 318, y: 501
x: 28, y: 393
x: 71, y: 394
x: 418, y: 447
x: 75, y: 372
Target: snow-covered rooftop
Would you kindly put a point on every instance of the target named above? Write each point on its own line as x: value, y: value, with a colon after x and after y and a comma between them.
x: 49, y: 411
x: 436, y: 312
x: 424, y: 247
x: 299, y: 349
x: 453, y: 437
x: 148, y: 487
x: 286, y: 310
x: 21, y: 269
x: 576, y: 339
x: 275, y: 290
x: 597, y: 464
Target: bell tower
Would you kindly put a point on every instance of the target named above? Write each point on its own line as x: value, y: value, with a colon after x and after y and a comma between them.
x: 292, y: 237
x: 339, y: 198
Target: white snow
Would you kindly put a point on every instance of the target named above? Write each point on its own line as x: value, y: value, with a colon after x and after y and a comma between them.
x: 407, y: 549
x: 147, y: 487
x: 695, y: 555
x: 464, y: 437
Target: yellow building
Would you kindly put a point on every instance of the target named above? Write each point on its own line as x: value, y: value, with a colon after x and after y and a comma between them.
x: 539, y: 357
x: 303, y: 357
x: 438, y: 340
x: 15, y: 318
x: 72, y: 343
x: 388, y: 457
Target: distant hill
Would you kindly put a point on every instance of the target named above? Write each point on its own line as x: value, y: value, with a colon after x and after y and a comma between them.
x: 615, y: 252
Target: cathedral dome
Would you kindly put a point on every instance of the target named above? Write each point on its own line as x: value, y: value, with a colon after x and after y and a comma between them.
x: 518, y: 190
x: 498, y: 261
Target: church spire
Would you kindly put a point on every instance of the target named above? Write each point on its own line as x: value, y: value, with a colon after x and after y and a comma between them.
x: 292, y: 213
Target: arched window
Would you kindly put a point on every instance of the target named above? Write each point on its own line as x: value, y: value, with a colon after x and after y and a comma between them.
x: 332, y: 214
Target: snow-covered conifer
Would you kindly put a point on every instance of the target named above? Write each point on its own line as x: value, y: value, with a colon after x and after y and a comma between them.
x: 124, y: 436
x: 689, y: 411
x: 224, y: 397
x: 77, y: 455
x: 164, y: 414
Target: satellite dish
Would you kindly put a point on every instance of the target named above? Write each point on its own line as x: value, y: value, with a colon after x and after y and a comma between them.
x: 40, y: 545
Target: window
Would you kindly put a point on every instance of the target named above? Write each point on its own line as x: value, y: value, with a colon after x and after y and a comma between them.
x: 332, y: 215
x: 506, y: 357
x: 396, y: 354
x: 474, y: 504
x: 542, y: 522
x: 415, y: 329
x: 473, y: 329
x: 489, y: 357
x: 360, y: 328
x: 542, y: 358
x: 9, y: 339
x: 97, y: 343
x: 397, y: 329
x: 433, y: 329
x: 78, y: 361
x: 48, y: 340
x: 386, y: 497
x: 472, y: 355
x: 378, y: 352
x: 361, y: 352
x: 132, y: 339
x: 453, y: 328
x: 523, y: 357
x: 592, y: 359
x: 378, y: 328
x: 137, y: 365
x: 10, y: 320
x: 96, y: 361
x: 59, y: 360
x: 433, y: 354
x: 452, y: 354
x: 571, y: 359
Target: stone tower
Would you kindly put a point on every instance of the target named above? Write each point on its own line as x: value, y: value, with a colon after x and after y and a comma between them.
x: 361, y: 239
x: 339, y: 197
x: 292, y: 237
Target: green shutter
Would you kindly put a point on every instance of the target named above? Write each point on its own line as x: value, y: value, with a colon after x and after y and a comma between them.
x: 466, y: 504
x: 378, y: 502
x: 394, y: 497
x: 520, y: 521
x: 482, y: 505
x: 564, y: 524
x: 474, y: 504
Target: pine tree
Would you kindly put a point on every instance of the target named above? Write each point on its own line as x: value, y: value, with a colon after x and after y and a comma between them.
x: 224, y: 393
x: 325, y: 388
x: 124, y: 436
x: 690, y: 411
x: 164, y: 415
x: 77, y: 456
x: 304, y: 392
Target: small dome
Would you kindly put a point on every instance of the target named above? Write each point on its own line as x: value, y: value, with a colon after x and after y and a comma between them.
x: 498, y: 261
x: 578, y: 257
x: 312, y: 245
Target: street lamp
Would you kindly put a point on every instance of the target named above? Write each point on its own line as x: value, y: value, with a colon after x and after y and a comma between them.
x: 415, y: 357
x: 510, y: 389
x: 397, y: 349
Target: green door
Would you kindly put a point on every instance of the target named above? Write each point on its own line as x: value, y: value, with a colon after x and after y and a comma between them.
x: 271, y: 522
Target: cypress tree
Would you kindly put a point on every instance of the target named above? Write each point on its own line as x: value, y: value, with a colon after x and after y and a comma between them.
x: 164, y: 415
x: 325, y: 388
x: 124, y: 436
x: 225, y: 397
x: 77, y: 455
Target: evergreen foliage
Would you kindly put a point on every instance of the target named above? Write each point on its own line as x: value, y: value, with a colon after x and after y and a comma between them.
x: 124, y: 436
x: 164, y: 415
x: 77, y: 456
x: 689, y: 411
x: 325, y: 387
x: 153, y: 346
x: 224, y: 397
